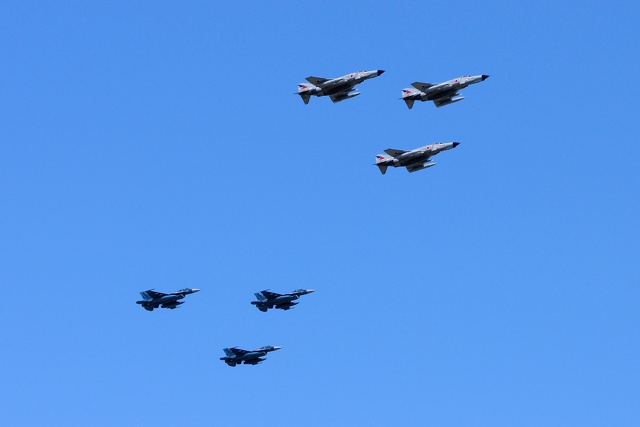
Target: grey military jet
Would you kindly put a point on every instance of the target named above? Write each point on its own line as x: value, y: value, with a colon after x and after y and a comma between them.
x: 337, y: 89
x: 235, y: 356
x: 442, y: 93
x: 152, y: 299
x: 267, y: 299
x: 414, y: 160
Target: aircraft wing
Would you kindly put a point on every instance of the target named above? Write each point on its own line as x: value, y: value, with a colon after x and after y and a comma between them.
x: 316, y: 80
x: 286, y: 306
x: 394, y: 153
x: 341, y: 96
x: 421, y: 86
x: 155, y: 295
x: 416, y: 166
x: 447, y: 99
x: 172, y: 304
x: 254, y: 361
x: 270, y: 295
x: 238, y: 351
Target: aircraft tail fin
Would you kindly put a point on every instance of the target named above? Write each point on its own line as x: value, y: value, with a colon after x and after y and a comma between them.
x: 145, y: 296
x: 305, y: 90
x: 409, y: 95
x: 228, y: 352
x: 382, y: 162
x: 259, y: 296
x: 306, y: 87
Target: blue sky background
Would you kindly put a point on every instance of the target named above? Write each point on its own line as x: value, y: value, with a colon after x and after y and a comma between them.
x: 159, y: 145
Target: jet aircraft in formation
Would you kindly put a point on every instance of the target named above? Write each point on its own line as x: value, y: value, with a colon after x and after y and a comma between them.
x: 152, y: 299
x: 268, y: 299
x: 337, y: 89
x: 235, y: 356
x: 442, y: 93
x: 414, y: 160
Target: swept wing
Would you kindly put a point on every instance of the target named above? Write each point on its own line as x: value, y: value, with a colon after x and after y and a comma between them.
x: 421, y: 86
x: 270, y: 295
x: 347, y: 93
x: 448, y: 99
x: 419, y: 166
x: 394, y: 153
x: 155, y: 295
x: 236, y: 351
x: 286, y: 306
x: 316, y: 80
x: 172, y: 304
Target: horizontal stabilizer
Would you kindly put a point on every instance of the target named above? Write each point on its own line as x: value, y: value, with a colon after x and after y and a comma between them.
x: 305, y: 98
x: 409, y: 102
x: 383, y: 168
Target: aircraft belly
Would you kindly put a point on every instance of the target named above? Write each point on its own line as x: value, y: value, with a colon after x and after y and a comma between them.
x: 440, y: 94
x: 337, y: 89
x: 411, y: 160
x: 254, y: 355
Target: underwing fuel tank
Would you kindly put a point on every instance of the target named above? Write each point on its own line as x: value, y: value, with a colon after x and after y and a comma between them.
x: 347, y: 96
x: 451, y: 101
x: 425, y: 166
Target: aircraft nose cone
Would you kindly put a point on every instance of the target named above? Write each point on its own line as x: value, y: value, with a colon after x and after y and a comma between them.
x: 310, y: 291
x: 484, y: 77
x: 276, y: 347
x: 380, y: 72
x: 195, y: 290
x: 455, y: 144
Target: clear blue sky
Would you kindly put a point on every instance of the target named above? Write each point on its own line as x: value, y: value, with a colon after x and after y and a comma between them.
x: 159, y: 145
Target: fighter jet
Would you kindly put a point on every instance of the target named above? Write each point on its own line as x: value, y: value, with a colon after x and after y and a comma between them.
x: 267, y: 299
x: 337, y: 89
x: 152, y: 299
x: 442, y: 93
x: 414, y: 160
x: 235, y: 356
